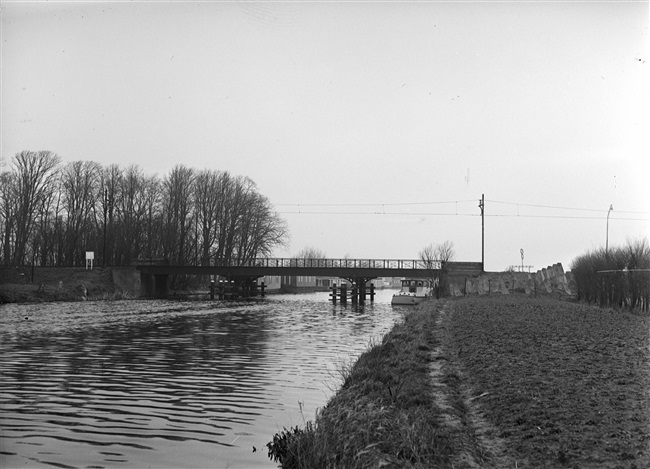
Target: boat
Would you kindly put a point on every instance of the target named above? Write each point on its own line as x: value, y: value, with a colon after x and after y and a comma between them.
x: 414, y: 291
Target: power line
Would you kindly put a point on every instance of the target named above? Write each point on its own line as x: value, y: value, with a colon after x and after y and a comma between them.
x: 433, y: 214
x: 381, y: 213
x: 560, y: 208
x: 392, y: 204
x: 397, y: 204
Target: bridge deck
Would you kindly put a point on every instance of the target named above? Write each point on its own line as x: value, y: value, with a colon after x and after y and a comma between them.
x: 344, y: 268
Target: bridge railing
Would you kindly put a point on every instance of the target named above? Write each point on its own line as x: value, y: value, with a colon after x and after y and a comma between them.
x: 338, y: 263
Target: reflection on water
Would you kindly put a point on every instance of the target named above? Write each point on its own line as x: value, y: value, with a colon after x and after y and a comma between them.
x: 167, y: 384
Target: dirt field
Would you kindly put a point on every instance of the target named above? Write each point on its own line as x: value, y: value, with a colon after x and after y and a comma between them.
x: 546, y: 383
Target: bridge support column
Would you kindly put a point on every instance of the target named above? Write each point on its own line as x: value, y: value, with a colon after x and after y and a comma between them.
x: 146, y: 285
x: 154, y: 285
x: 161, y: 282
x: 362, y: 292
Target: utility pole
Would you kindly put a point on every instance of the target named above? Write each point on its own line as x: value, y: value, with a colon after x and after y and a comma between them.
x: 105, y: 212
x: 481, y: 205
x: 611, y: 207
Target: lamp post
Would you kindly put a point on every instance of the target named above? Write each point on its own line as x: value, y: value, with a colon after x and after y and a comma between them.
x: 607, y: 235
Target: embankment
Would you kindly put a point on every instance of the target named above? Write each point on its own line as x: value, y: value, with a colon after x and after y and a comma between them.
x: 489, y: 382
x: 41, y: 284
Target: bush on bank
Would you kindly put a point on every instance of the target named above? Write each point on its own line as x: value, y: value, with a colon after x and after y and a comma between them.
x: 618, y: 277
x: 383, y: 415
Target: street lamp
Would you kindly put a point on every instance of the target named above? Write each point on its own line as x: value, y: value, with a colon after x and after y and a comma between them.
x: 607, y: 235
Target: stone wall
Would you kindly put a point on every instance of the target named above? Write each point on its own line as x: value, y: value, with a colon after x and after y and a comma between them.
x: 127, y: 280
x: 549, y: 280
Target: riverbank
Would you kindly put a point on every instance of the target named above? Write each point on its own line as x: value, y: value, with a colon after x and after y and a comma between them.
x: 500, y: 381
x: 45, y: 284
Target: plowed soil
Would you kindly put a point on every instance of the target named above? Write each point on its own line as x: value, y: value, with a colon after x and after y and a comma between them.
x: 558, y: 384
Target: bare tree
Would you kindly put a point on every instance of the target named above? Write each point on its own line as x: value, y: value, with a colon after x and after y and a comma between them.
x: 130, y: 210
x: 110, y: 187
x: 79, y: 180
x: 8, y: 208
x: 153, y: 216
x: 47, y: 236
x: 309, y: 252
x: 261, y: 229
x: 35, y: 172
x: 177, y: 213
x: 435, y: 259
x: 208, y: 204
x: 445, y: 252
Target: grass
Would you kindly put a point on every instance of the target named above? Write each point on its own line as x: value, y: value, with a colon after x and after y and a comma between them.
x: 383, y: 415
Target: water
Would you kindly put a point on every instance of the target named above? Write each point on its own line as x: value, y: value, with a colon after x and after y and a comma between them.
x: 165, y: 384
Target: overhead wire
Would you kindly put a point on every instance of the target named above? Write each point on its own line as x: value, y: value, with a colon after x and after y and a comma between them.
x: 307, y: 206
x: 561, y: 208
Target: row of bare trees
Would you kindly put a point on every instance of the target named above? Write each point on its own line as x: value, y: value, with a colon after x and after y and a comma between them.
x: 51, y: 214
x: 617, y: 277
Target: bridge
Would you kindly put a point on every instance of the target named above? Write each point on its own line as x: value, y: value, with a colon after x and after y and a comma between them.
x: 154, y: 274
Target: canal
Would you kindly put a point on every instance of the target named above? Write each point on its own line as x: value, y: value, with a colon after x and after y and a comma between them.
x: 161, y: 384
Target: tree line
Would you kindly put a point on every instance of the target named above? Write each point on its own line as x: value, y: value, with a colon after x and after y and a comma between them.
x: 52, y: 213
x: 616, y: 277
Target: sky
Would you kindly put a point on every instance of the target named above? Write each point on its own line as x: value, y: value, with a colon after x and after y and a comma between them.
x: 373, y: 128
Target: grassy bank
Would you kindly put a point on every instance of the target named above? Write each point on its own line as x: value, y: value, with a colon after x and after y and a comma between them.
x: 383, y: 415
x: 44, y: 284
x: 490, y: 382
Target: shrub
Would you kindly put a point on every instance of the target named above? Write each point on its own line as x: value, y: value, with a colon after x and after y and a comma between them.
x: 619, y: 277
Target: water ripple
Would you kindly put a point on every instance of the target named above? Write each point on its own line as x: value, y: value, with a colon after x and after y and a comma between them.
x: 166, y: 384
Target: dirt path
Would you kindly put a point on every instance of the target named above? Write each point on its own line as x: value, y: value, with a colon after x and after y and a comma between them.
x: 477, y: 443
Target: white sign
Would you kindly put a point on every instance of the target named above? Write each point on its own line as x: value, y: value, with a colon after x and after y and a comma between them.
x: 90, y: 257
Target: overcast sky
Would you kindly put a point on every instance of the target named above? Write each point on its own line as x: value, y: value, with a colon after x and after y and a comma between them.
x: 397, y: 114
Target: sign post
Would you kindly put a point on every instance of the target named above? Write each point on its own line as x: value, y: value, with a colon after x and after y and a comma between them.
x: 90, y: 257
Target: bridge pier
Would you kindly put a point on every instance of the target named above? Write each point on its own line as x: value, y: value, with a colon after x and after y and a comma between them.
x: 357, y: 293
x: 154, y: 285
x: 238, y: 287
